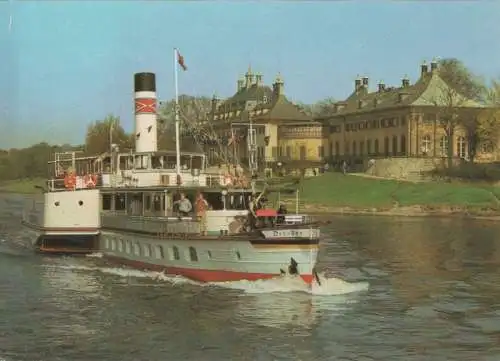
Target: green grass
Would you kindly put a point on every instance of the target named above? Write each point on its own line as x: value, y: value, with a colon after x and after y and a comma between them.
x: 24, y: 186
x: 335, y: 189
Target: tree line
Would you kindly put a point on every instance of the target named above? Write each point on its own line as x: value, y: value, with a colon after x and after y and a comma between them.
x: 32, y: 161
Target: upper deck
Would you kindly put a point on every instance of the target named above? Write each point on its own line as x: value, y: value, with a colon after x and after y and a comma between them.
x: 132, y: 169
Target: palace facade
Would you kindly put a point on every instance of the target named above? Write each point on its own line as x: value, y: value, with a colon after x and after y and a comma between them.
x: 402, y: 120
x: 283, y: 132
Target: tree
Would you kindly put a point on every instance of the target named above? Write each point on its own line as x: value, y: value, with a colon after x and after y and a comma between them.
x: 321, y: 108
x: 457, y: 100
x: 192, y: 114
x: 457, y: 75
x: 101, y: 133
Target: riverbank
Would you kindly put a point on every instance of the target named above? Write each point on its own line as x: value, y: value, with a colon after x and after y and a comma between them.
x: 22, y: 186
x: 335, y: 193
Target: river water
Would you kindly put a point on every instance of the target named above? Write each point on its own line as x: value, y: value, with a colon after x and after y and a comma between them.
x: 396, y: 289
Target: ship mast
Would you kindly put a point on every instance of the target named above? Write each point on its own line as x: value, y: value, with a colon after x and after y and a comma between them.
x: 177, y: 117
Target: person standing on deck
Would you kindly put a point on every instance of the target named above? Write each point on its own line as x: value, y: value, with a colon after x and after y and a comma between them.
x: 201, y: 207
x: 184, y: 205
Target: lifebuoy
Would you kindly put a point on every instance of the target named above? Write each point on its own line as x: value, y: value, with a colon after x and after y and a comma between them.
x: 70, y: 181
x: 228, y: 180
x: 90, y: 181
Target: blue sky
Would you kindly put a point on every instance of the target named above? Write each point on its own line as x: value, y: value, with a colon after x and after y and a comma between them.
x: 67, y: 63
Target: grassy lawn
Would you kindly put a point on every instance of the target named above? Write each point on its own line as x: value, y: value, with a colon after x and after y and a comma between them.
x: 24, y: 186
x: 335, y: 189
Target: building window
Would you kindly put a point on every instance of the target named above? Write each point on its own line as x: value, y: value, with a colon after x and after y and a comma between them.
x: 426, y: 144
x: 402, y: 121
x: 403, y: 144
x: 461, y: 147
x: 121, y: 244
x: 337, y: 148
x: 106, y: 243
x: 486, y: 147
x: 175, y: 253
x: 128, y: 248
x: 193, y: 256
x: 302, y: 152
x: 394, y: 145
x: 159, y: 252
x: 386, y: 146
x: 361, y: 147
x: 376, y: 150
x: 346, y: 148
x: 369, y: 146
x: 113, y: 244
x: 443, y: 146
x: 321, y: 151
x: 147, y: 250
x: 331, y: 149
x: 137, y: 249
x: 289, y: 152
x: 354, y: 147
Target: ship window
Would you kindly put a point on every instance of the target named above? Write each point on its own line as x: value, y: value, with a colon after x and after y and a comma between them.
x: 56, y: 204
x: 175, y: 253
x: 159, y: 252
x: 192, y: 254
x: 137, y: 249
x: 113, y: 244
x: 147, y: 250
x: 120, y: 245
x: 106, y: 202
x: 106, y: 243
x: 80, y: 203
x: 127, y: 247
x: 238, y: 255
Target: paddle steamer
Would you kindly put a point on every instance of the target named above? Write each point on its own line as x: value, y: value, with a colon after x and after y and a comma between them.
x: 122, y: 204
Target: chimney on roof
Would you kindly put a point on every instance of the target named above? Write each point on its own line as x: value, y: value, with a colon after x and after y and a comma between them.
x: 434, y: 65
x: 405, y: 82
x: 365, y: 82
x: 424, y: 69
x: 240, y: 84
x: 258, y: 79
x: 381, y: 86
x: 357, y: 84
x: 278, y: 86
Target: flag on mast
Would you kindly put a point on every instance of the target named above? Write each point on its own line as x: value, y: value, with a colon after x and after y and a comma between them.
x: 180, y: 60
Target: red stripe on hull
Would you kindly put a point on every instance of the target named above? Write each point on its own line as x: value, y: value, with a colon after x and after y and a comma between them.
x: 201, y: 275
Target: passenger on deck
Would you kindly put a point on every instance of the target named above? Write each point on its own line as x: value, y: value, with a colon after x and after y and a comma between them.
x: 281, y: 213
x: 184, y: 206
x: 201, y: 207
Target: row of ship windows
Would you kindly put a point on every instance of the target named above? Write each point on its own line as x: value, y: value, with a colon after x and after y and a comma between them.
x: 157, y: 252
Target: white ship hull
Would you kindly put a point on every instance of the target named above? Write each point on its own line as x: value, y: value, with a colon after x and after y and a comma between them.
x: 209, y: 260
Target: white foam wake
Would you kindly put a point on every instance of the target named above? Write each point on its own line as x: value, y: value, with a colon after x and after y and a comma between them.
x: 329, y: 286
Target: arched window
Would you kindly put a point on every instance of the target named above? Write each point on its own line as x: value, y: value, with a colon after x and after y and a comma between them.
x: 175, y: 253
x: 403, y: 144
x: 386, y: 146
x: 461, y: 147
x: 394, y: 145
x: 443, y: 146
x: 354, y: 148
x: 426, y: 144
x: 376, y: 150
x: 192, y: 254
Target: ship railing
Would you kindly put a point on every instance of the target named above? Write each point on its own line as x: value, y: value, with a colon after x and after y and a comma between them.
x: 158, y: 225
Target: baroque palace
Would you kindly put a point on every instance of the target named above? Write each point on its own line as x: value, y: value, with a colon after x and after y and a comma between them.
x: 283, y: 132
x: 398, y: 121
